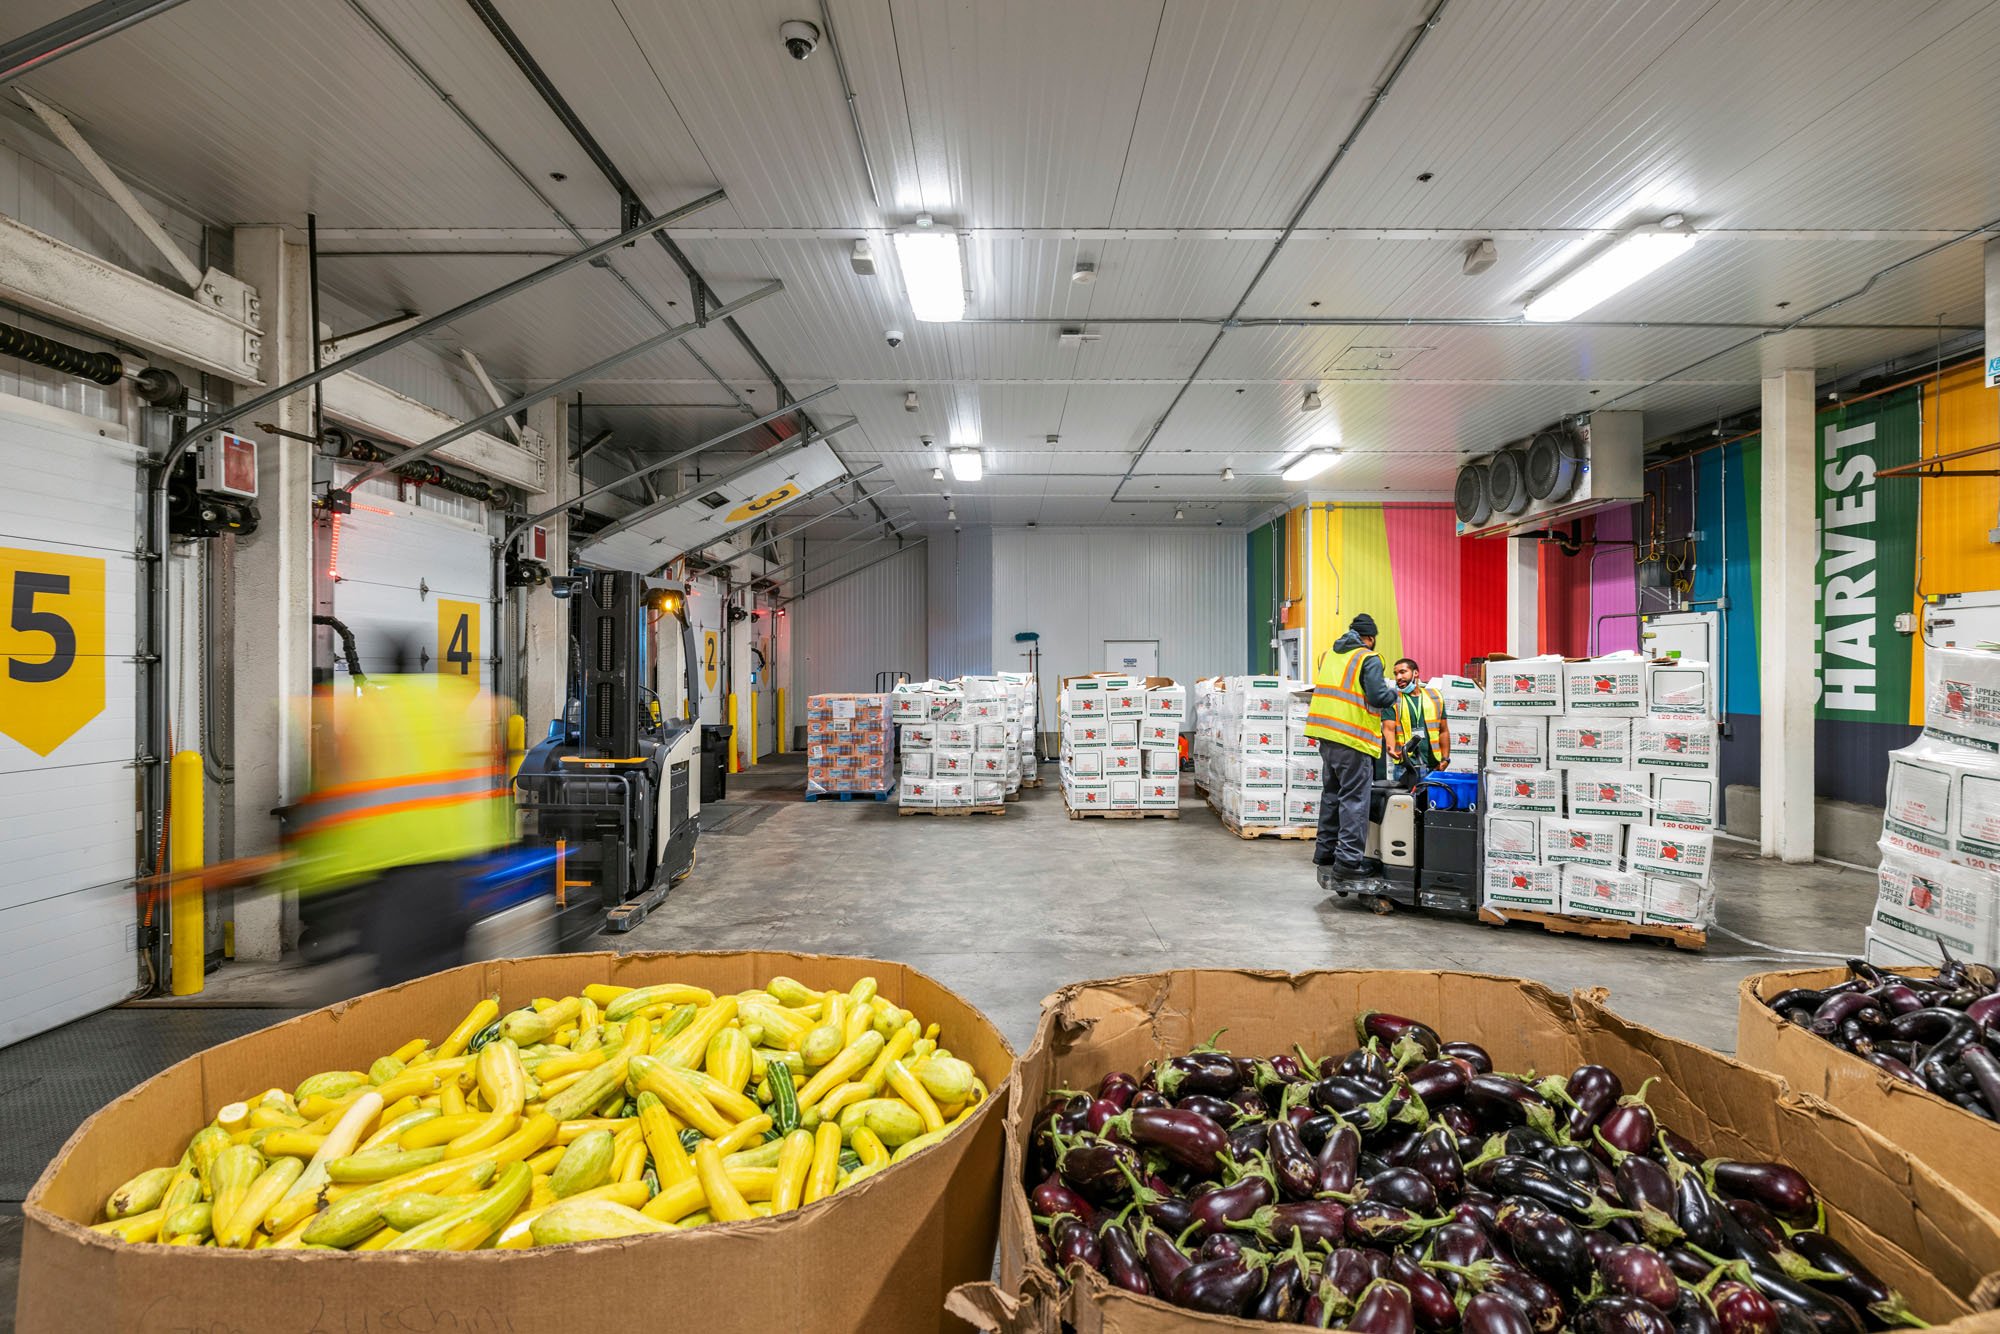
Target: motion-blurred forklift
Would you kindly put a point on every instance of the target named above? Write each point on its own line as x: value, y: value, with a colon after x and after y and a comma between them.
x: 613, y: 788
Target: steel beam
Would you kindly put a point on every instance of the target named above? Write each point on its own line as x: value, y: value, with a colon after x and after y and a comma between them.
x: 71, y: 33
x: 805, y: 593
x: 667, y: 462
x: 398, y: 339
x: 573, y: 381
x: 792, y: 445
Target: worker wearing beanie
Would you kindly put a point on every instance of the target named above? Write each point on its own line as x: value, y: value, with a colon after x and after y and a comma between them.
x: 1349, y: 701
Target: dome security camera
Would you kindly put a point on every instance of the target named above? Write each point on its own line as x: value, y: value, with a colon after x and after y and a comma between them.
x: 801, y: 39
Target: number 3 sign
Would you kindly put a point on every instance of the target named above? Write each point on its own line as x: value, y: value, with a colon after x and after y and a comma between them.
x: 51, y: 646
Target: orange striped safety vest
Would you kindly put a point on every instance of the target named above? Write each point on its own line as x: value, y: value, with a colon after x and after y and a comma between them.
x: 1339, y: 712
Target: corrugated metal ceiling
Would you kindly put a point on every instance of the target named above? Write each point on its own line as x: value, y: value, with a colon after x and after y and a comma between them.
x: 1796, y: 132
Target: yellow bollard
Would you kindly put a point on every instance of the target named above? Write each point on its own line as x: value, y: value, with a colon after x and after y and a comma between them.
x: 517, y: 742
x: 751, y: 753
x: 188, y: 845
x: 735, y: 740
x: 780, y: 729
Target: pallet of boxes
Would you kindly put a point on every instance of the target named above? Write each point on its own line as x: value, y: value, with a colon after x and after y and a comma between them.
x: 959, y: 746
x: 1939, y: 882
x: 1121, y: 739
x: 849, y: 752
x: 1259, y: 770
x: 1602, y: 796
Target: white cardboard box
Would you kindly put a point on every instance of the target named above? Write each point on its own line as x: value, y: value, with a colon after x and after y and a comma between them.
x: 1085, y: 764
x: 951, y: 763
x: 989, y: 736
x: 1893, y: 950
x: 909, y: 705
x: 1525, y: 685
x: 1266, y: 735
x: 1513, y: 840
x: 1609, y: 794
x: 1305, y: 773
x: 1605, y: 686
x: 1079, y: 734
x: 917, y: 763
x: 1590, y: 741
x: 952, y: 791
x: 1687, y: 800
x: 1680, y: 685
x: 1302, y: 807
x: 1533, y: 888
x: 1129, y: 702
x: 1160, y: 791
x: 989, y: 791
x: 1124, y: 731
x: 1087, y: 795
x: 1121, y: 761
x: 953, y: 736
x: 1154, y: 762
x: 1588, y: 891
x: 1083, y: 700
x: 1464, y: 701
x: 1677, y: 741
x: 1125, y: 792
x: 1683, y: 854
x: 984, y: 710
x: 1157, y: 732
x: 1678, y: 902
x: 1517, y: 743
x: 1962, y: 697
x: 1168, y: 702
x: 1944, y: 800
x: 1594, y: 843
x: 1463, y: 739
x: 1921, y: 904
x: 1256, y: 696
x: 1524, y: 791
x: 989, y: 764
x: 1298, y: 743
x: 919, y: 736
x: 1257, y: 770
x: 947, y: 704
x: 1257, y: 805
x: 915, y: 790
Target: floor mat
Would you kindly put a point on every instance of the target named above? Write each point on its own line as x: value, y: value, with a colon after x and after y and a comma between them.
x: 735, y: 819
x: 50, y: 1083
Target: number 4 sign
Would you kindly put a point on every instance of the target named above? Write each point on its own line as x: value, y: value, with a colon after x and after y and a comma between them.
x: 51, y: 645
x: 458, y: 638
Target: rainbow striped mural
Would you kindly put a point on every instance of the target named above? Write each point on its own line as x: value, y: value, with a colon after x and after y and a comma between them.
x: 1435, y: 597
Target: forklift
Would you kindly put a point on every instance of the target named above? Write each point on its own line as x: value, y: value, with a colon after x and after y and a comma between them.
x: 1428, y: 842
x: 612, y: 792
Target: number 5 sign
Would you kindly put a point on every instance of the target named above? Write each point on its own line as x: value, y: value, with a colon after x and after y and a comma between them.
x: 51, y: 646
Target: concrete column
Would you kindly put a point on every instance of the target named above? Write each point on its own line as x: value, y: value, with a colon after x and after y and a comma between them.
x: 542, y: 659
x: 271, y: 631
x: 1524, y: 597
x: 1788, y: 678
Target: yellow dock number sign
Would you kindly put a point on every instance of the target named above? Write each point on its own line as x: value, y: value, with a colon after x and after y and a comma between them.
x: 458, y: 638
x: 750, y: 509
x: 711, y: 658
x: 51, y: 645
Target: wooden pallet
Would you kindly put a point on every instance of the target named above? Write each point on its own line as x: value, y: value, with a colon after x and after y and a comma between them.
x: 1031, y: 782
x: 1682, y: 937
x: 1126, y: 814
x: 951, y: 810
x: 1291, y: 831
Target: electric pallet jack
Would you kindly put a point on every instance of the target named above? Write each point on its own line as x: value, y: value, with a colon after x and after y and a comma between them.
x: 611, y: 792
x: 1428, y: 847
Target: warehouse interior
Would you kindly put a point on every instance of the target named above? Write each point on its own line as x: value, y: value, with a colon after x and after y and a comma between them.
x: 754, y: 430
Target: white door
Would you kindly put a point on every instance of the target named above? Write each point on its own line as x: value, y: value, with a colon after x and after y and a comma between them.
x: 415, y: 577
x: 1135, y: 657
x: 69, y: 596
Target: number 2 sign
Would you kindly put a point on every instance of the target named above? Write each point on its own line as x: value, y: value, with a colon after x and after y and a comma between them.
x: 51, y: 645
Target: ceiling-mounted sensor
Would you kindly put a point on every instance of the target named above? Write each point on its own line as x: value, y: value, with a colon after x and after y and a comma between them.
x: 909, y: 400
x: 1084, y: 273
x: 862, y: 258
x: 1480, y: 256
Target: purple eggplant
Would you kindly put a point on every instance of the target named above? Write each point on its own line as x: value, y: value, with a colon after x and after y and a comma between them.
x: 1199, y: 1072
x: 1621, y: 1315
x: 1373, y: 1223
x: 1218, y: 1246
x: 1344, y: 1095
x: 1384, y: 1308
x: 1518, y: 1176
x: 1459, y: 1120
x: 1544, y: 1241
x: 1824, y: 1312
x: 1164, y: 1260
x: 1543, y: 1303
x: 1249, y: 1139
x: 1186, y: 1138
x: 1985, y: 1070
x: 1101, y: 1112
x: 1894, y: 1067
x: 1460, y: 1243
x: 1075, y: 1243
x: 1858, y: 1006
x: 1630, y: 1125
x: 1094, y: 1167
x: 1124, y: 1263
x: 1985, y: 1011
x: 1741, y: 1309
x: 1390, y: 1029
x: 1694, y: 1208
x: 1365, y: 1063
x: 1639, y: 1271
x: 1118, y: 1088
x: 1219, y: 1110
x: 1293, y: 1169
x: 1691, y: 1315
x: 1472, y: 1053
x: 1647, y: 1189
x: 1314, y: 1223
x: 1286, y: 1068
x: 1592, y: 1089
x: 1052, y: 1197
x: 1899, y: 998
x: 1339, y: 1160
x: 1781, y: 1189
x: 1218, y: 1287
x: 1284, y: 1294
x: 1430, y: 1300
x: 1494, y: 1312
x: 1215, y: 1209
x: 1351, y: 1269
x: 1405, y: 1187
x: 1856, y: 1286
x: 1440, y: 1081
x: 1436, y: 1156
x: 1502, y: 1100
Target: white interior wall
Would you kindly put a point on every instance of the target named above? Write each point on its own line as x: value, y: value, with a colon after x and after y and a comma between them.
x: 1080, y: 587
x: 960, y: 599
x: 873, y: 621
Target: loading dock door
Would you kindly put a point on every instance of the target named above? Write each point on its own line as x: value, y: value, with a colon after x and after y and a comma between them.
x: 414, y: 575
x: 69, y: 590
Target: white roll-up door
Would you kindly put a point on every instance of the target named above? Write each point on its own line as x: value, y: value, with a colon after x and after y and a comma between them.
x: 415, y: 576
x: 69, y: 592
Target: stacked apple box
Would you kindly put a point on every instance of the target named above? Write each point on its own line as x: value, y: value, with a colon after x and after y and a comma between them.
x: 1253, y: 760
x: 1939, y: 882
x: 961, y: 742
x: 1602, y: 789
x: 1121, y: 744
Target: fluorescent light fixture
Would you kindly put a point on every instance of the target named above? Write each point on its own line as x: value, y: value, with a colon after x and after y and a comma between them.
x: 1310, y: 403
x: 1309, y: 464
x: 933, y: 271
x: 1627, y: 260
x: 966, y: 465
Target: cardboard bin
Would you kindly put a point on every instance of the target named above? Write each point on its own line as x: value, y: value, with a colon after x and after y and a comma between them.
x: 1960, y: 1146
x: 1887, y: 1207
x: 880, y: 1255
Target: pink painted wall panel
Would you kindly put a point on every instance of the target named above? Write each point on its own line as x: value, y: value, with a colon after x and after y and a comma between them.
x: 1614, y: 583
x: 1424, y: 558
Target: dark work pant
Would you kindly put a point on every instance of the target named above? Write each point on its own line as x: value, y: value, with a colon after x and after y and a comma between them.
x: 414, y: 922
x: 1346, y: 776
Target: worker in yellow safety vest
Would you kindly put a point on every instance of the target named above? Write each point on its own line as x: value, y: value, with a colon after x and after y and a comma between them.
x: 1349, y: 699
x: 1419, y: 717
x: 415, y: 787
